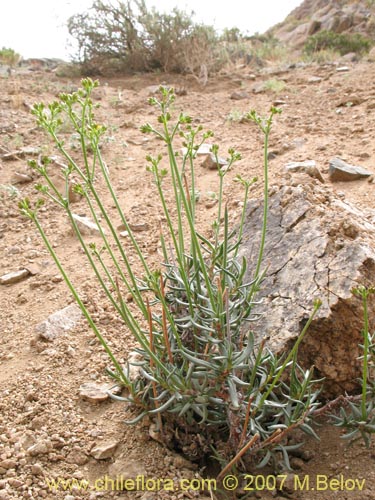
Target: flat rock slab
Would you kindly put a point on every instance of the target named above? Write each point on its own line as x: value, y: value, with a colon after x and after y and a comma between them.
x: 97, y: 393
x: 307, y: 167
x: 238, y: 95
x: 21, y: 153
x: 105, y: 450
x: 20, y: 178
x: 317, y: 246
x: 203, y: 150
x: 314, y: 79
x: 59, y: 322
x: 14, y: 277
x: 41, y: 447
x: 340, y: 171
x: 343, y: 69
x: 86, y: 225
x: 213, y: 163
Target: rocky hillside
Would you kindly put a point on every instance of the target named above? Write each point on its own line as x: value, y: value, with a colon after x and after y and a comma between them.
x: 339, y: 16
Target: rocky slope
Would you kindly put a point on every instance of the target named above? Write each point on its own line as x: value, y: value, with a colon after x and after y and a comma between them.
x: 339, y: 16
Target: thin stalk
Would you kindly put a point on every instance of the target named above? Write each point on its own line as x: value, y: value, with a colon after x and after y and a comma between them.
x: 224, y: 262
x: 243, y: 215
x: 120, y: 248
x: 256, y: 364
x: 220, y: 197
x: 164, y: 322
x: 90, y: 321
x: 180, y: 230
x: 128, y: 316
x: 92, y: 263
x: 227, y: 314
x: 234, y: 460
x: 123, y: 218
x: 152, y: 349
x: 194, y: 237
x: 176, y: 189
x: 365, y: 359
x: 191, y: 202
x: 133, y: 290
x: 187, y: 193
x: 192, y: 175
x: 129, y: 319
x: 89, y: 183
x: 180, y: 259
x: 79, y: 129
x: 163, y: 245
x: 246, y: 422
x: 265, y: 209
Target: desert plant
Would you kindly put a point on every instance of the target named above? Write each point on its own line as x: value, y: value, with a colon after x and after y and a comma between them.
x: 177, y: 43
x: 343, y: 43
x: 200, y: 371
x: 269, y: 48
x: 274, y: 85
x: 9, y: 57
x: 358, y: 418
x: 321, y: 57
x: 131, y: 36
x: 231, y: 35
x: 200, y: 53
x: 235, y: 115
x: 109, y: 35
x: 10, y: 190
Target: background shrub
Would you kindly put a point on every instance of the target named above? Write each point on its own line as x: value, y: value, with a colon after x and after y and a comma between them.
x: 130, y: 36
x: 343, y: 43
x: 9, y: 57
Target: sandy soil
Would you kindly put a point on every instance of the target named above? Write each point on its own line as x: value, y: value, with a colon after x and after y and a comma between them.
x: 39, y: 381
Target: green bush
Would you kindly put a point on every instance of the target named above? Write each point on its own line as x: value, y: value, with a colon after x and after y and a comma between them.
x: 9, y: 57
x: 108, y: 36
x: 231, y: 35
x: 343, y: 43
x: 275, y: 85
x: 131, y: 37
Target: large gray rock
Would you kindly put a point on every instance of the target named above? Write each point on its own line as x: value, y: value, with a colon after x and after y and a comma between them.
x: 317, y: 246
x: 340, y: 171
